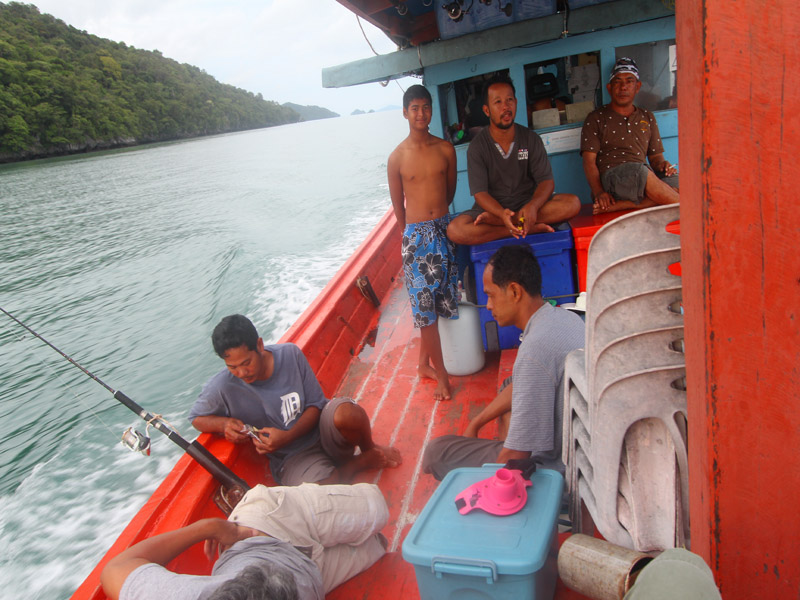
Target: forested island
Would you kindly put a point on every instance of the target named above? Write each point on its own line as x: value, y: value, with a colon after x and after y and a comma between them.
x: 311, y: 113
x: 63, y: 91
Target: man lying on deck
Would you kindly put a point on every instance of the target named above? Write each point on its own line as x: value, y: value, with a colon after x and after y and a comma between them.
x: 280, y: 543
x: 273, y: 390
x: 509, y: 176
x: 513, y: 283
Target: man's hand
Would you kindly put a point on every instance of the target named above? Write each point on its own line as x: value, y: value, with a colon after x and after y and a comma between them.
x: 235, y: 431
x: 667, y: 170
x: 270, y: 440
x: 226, y: 534
x: 604, y: 201
x: 511, y: 222
x: 527, y: 218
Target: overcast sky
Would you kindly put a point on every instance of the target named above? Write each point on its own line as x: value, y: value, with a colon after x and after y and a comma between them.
x: 275, y: 47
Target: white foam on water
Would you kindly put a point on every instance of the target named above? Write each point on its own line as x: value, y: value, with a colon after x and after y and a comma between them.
x: 66, y: 513
x: 291, y: 282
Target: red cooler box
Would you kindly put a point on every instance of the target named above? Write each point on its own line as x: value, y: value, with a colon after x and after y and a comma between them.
x: 585, y: 225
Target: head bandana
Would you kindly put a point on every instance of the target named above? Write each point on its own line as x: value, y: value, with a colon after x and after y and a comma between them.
x: 624, y: 65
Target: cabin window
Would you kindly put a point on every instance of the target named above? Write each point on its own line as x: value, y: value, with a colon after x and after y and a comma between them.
x: 657, y: 70
x: 563, y: 90
x: 462, y: 107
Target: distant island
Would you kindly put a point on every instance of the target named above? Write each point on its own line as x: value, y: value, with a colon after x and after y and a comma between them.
x: 358, y: 111
x: 310, y: 113
x: 64, y: 91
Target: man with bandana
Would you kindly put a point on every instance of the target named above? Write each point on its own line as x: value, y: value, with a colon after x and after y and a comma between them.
x: 617, y: 141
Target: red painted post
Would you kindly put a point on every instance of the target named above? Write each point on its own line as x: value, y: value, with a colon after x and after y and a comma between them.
x: 739, y: 111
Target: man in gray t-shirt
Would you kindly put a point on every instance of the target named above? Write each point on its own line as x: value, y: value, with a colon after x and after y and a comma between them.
x: 513, y: 282
x: 270, y: 396
x: 509, y: 176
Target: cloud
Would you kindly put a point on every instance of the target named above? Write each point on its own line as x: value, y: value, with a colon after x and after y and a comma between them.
x: 277, y: 48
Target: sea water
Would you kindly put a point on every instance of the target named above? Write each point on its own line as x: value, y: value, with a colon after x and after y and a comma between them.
x: 126, y: 260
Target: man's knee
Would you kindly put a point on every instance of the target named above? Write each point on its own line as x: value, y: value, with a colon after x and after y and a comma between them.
x: 572, y: 204
x: 349, y: 416
x: 456, y: 230
x: 432, y: 460
x: 660, y: 191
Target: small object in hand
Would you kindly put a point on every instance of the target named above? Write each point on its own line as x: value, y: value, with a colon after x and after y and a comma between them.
x: 252, y: 432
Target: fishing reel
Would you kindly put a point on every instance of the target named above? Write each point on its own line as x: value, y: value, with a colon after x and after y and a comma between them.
x: 136, y: 441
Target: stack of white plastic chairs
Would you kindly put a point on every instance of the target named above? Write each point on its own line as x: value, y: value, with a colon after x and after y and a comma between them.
x: 625, y: 399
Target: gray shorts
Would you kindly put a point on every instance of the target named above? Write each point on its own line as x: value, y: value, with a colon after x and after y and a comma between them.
x: 450, y: 452
x: 476, y: 209
x: 627, y: 181
x: 319, y: 461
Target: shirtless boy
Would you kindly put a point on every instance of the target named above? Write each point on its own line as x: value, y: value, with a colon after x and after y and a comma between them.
x: 422, y: 182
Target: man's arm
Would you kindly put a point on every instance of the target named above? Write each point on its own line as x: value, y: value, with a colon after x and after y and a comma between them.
x: 272, y: 439
x: 599, y: 196
x: 452, y: 171
x: 232, y: 429
x: 162, y: 548
x: 396, y: 189
x: 496, y: 408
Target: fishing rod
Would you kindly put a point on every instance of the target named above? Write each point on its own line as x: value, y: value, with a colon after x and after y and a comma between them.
x: 138, y: 442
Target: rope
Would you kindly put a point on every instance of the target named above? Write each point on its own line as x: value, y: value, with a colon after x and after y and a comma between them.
x: 154, y: 418
x: 358, y: 20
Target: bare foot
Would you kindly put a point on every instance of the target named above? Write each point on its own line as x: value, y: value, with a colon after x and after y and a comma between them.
x: 427, y: 372
x: 379, y: 457
x: 487, y: 218
x: 442, y: 391
x: 540, y: 228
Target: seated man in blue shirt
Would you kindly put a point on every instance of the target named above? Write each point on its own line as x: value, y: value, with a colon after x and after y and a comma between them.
x: 269, y: 394
x: 513, y: 283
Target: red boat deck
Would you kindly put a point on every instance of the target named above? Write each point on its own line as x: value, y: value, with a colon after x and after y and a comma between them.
x: 384, y: 380
x: 366, y: 353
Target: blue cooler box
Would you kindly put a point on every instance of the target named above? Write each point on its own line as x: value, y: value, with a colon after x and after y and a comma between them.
x: 482, y: 556
x: 553, y: 251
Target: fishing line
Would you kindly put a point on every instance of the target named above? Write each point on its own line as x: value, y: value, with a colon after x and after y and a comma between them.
x: 69, y: 387
x: 137, y: 441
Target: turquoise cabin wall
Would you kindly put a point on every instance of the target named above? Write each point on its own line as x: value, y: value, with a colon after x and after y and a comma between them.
x: 562, y: 142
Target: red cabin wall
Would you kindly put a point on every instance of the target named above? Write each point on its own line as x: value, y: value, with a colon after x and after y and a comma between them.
x: 739, y: 110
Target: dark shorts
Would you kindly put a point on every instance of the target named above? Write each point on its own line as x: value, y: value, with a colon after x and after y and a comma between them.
x: 319, y: 461
x: 476, y: 210
x: 627, y: 181
x: 430, y: 270
x: 450, y: 452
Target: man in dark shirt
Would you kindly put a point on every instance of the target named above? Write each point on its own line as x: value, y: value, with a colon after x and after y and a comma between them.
x: 615, y: 141
x: 509, y: 176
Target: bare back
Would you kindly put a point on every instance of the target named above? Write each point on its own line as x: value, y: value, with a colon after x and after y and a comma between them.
x: 422, y: 179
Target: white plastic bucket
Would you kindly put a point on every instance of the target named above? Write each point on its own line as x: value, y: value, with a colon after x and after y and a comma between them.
x: 462, y: 346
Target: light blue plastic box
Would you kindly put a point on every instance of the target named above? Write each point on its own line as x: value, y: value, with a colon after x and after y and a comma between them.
x: 479, y: 556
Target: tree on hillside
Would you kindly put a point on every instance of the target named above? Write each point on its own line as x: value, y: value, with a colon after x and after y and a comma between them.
x: 65, y: 90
